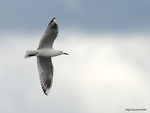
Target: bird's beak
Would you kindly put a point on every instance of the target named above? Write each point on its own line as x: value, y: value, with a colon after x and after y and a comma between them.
x: 65, y: 53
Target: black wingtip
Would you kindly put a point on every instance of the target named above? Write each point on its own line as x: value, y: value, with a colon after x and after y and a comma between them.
x: 44, y: 91
x: 53, y: 23
x: 53, y: 20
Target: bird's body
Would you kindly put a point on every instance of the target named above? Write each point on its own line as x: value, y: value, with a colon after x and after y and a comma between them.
x: 49, y: 52
x: 44, y: 53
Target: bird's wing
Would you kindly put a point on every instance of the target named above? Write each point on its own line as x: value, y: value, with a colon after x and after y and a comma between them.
x: 45, y: 68
x: 49, y: 35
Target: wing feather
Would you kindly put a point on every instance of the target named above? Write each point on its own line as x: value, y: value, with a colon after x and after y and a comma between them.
x: 49, y: 35
x: 45, y: 69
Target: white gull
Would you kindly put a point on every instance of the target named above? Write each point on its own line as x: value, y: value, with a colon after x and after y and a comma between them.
x: 44, y: 53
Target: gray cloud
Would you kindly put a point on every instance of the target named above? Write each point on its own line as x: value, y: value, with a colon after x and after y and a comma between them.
x: 89, y: 15
x: 101, y: 74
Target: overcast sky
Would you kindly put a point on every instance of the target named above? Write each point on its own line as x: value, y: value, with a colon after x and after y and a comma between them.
x: 108, y: 66
x: 103, y: 15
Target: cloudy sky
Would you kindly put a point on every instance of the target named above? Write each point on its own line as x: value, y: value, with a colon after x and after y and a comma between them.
x: 108, y: 66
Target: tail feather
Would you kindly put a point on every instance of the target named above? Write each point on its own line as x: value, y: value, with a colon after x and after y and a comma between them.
x: 31, y: 53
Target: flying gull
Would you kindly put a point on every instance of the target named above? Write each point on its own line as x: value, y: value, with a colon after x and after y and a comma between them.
x: 44, y: 53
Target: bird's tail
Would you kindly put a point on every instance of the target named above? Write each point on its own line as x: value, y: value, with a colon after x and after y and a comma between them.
x: 31, y: 53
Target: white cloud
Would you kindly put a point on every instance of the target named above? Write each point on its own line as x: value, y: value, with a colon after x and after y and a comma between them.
x: 103, y: 73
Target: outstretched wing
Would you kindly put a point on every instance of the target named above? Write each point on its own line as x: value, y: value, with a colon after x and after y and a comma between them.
x: 45, y: 69
x: 49, y: 35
